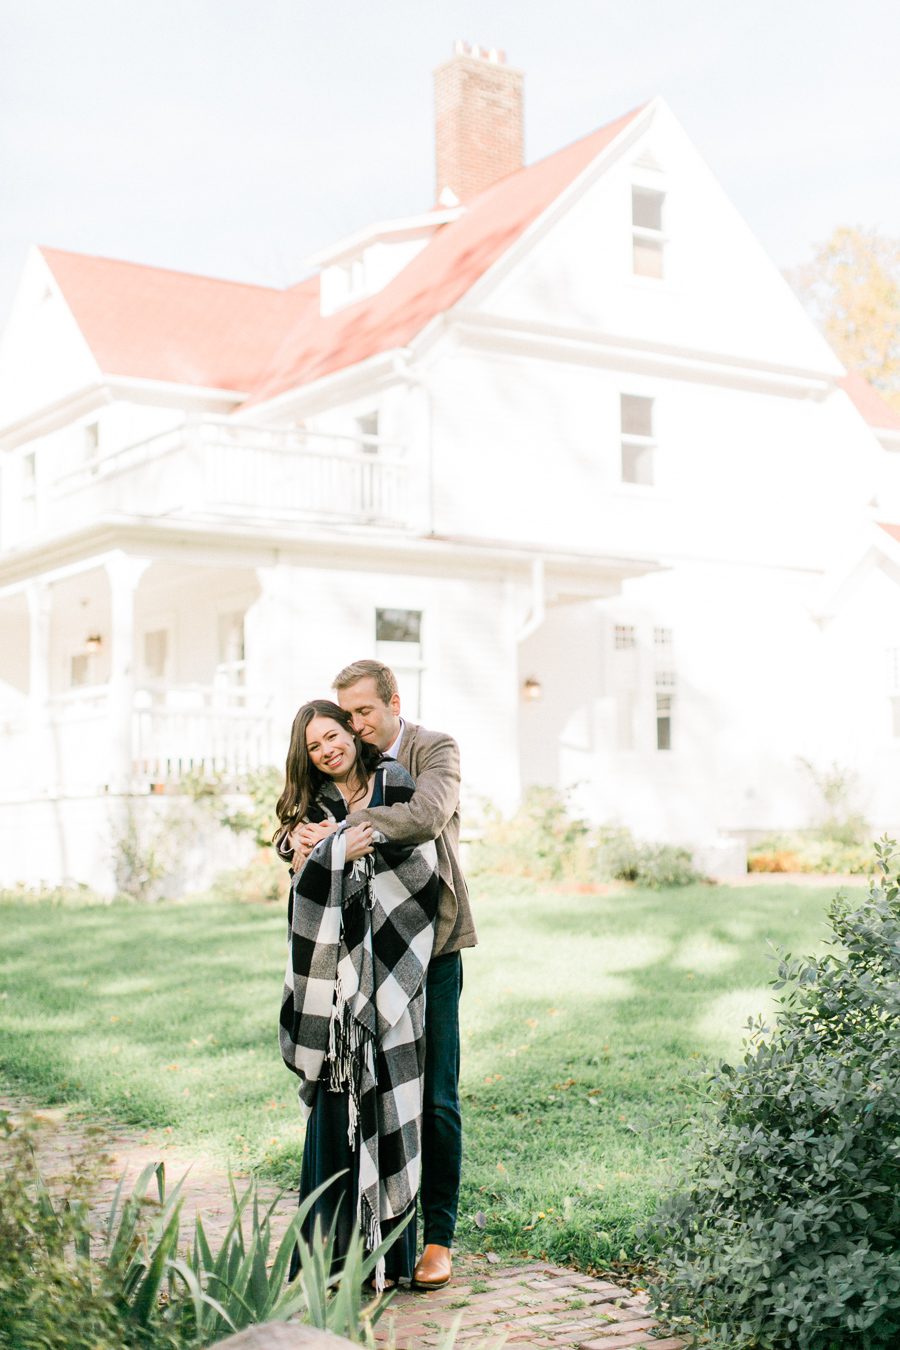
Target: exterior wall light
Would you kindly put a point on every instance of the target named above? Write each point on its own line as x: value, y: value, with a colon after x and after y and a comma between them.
x: 93, y: 642
x: 532, y: 690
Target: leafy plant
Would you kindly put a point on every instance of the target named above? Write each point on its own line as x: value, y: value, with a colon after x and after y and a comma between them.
x: 546, y: 841
x: 622, y: 857
x: 137, y: 857
x: 788, y: 1232
x: 264, y: 880
x: 255, y: 816
x: 543, y: 839
x: 62, y: 1289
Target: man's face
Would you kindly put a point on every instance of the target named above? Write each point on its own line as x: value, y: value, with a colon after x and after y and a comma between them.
x: 376, y: 722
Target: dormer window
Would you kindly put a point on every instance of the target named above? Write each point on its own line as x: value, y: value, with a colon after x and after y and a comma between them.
x: 648, y: 240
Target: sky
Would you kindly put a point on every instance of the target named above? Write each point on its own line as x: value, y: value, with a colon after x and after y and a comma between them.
x: 237, y: 137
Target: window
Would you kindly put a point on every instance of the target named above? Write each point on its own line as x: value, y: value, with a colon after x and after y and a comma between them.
x: 29, y: 473
x: 367, y: 426
x: 647, y: 238
x: 624, y: 637
x: 638, y: 444
x: 663, y: 639
x: 90, y: 441
x: 398, y: 625
x: 664, y: 721
x: 398, y: 643
x: 156, y: 654
x: 80, y: 670
x: 230, y: 668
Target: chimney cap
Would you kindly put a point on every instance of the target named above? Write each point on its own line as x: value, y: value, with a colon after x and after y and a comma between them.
x: 495, y: 55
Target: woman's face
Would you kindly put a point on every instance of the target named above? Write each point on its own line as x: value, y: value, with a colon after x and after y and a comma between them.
x: 330, y: 748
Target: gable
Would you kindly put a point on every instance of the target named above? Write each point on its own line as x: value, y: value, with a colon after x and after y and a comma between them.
x: 44, y: 357
x: 721, y: 294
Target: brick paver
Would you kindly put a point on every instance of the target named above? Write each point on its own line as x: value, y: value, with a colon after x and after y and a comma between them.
x: 530, y: 1306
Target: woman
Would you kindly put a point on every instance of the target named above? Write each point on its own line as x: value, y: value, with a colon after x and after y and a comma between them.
x: 361, y: 923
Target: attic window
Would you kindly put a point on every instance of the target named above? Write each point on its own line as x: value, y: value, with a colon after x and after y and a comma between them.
x: 647, y: 236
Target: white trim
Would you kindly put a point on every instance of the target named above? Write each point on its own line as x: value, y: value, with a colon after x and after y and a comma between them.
x: 615, y: 351
x: 164, y: 540
x: 338, y: 385
x: 400, y: 228
x: 102, y: 393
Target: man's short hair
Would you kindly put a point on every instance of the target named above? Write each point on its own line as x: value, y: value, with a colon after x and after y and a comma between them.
x: 385, y: 680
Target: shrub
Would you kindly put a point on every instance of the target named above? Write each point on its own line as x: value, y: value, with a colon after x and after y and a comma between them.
x: 140, y: 1294
x: 542, y: 840
x: 788, y: 1232
x: 813, y: 852
x: 264, y: 880
x: 261, y: 789
x: 545, y: 841
x: 623, y: 858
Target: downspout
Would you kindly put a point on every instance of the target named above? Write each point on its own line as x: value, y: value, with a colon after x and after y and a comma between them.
x: 538, y: 600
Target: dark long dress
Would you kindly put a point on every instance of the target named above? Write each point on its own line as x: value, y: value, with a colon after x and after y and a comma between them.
x: 327, y: 1151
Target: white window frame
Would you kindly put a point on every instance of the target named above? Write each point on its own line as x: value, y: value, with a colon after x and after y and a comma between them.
x: 632, y: 441
x: 405, y: 658
x: 654, y: 237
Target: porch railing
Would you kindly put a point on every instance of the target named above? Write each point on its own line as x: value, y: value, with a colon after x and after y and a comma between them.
x: 214, y: 468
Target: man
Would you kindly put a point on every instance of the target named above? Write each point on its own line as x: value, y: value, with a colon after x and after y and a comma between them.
x: 367, y: 690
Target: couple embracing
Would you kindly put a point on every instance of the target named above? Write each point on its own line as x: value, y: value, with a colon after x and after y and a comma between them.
x: 378, y: 916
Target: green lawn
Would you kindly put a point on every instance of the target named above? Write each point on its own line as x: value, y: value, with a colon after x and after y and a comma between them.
x: 587, y: 1020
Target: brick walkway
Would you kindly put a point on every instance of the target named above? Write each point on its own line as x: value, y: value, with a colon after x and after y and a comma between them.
x: 531, y: 1305
x: 527, y: 1305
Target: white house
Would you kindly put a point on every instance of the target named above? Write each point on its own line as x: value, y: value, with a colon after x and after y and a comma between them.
x: 565, y: 450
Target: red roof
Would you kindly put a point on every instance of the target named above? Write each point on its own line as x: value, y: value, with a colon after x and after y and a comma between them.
x: 876, y: 411
x: 153, y: 324
x: 892, y: 530
x: 150, y: 323
x: 457, y: 255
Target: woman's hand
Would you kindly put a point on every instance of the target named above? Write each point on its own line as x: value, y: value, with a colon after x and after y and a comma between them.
x: 304, y: 837
x: 359, y: 841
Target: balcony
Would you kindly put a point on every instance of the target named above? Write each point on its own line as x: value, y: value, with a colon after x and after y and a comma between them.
x: 213, y: 470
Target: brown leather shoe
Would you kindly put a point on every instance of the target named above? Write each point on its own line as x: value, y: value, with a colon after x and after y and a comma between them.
x: 433, y: 1268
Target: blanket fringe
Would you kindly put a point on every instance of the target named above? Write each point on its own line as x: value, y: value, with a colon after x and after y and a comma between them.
x: 351, y: 1050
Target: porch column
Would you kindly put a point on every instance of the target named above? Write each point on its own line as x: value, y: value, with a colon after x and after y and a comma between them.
x: 41, y: 771
x: 124, y: 573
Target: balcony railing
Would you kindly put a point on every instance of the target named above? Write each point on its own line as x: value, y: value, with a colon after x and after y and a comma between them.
x: 217, y: 469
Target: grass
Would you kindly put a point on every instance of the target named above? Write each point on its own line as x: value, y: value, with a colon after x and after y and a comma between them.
x: 587, y: 1021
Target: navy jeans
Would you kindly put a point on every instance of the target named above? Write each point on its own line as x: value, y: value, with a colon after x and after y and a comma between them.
x: 441, y: 1118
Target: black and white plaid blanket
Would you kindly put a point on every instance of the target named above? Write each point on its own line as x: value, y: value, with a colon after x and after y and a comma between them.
x: 352, y: 1014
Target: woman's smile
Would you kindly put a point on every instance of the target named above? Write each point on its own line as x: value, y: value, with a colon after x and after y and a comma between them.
x: 330, y: 748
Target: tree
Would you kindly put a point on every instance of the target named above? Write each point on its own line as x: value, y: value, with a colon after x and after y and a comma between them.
x: 851, y: 288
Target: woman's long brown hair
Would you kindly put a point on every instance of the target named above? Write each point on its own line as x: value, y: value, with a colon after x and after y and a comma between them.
x: 302, y: 779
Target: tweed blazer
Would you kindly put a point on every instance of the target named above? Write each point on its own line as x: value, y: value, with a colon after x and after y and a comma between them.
x: 431, y: 813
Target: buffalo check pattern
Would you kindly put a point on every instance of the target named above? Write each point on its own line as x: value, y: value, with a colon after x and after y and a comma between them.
x: 352, y: 1013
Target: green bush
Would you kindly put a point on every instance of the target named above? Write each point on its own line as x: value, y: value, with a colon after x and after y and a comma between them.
x: 64, y: 1286
x: 53, y: 1295
x: 810, y: 852
x: 621, y: 857
x: 545, y: 841
x: 265, y: 880
x: 542, y: 840
x: 788, y: 1233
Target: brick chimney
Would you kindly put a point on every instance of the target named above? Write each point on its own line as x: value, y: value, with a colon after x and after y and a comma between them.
x: 478, y: 120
